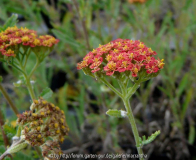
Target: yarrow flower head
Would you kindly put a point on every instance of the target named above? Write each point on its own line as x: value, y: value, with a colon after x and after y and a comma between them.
x: 44, y: 126
x: 121, y: 56
x: 12, y: 38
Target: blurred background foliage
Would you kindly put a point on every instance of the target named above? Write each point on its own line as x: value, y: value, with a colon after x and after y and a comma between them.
x: 166, y: 102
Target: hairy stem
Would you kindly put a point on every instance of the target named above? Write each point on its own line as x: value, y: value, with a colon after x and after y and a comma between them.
x: 125, y: 97
x: 34, y: 68
x: 132, y: 90
x: 6, y: 153
x: 30, y: 88
x: 32, y: 94
x: 133, y: 125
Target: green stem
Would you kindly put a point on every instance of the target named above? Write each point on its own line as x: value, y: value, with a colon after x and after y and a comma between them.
x: 133, y: 125
x: 126, y: 96
x: 26, y: 58
x: 32, y: 94
x: 7, y: 97
x: 21, y: 68
x: 28, y: 80
x: 111, y: 87
x: 132, y: 90
x: 34, y: 68
x: 30, y: 88
x: 18, y: 133
x: 122, y: 87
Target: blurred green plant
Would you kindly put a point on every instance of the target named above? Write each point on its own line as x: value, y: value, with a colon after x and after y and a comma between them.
x: 167, y: 26
x: 16, y: 47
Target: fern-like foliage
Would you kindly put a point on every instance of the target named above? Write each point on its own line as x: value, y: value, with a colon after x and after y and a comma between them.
x: 144, y: 141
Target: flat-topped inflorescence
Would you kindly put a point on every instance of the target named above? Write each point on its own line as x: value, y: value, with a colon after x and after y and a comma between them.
x: 121, y: 55
x: 44, y: 123
x: 124, y: 60
x: 12, y: 38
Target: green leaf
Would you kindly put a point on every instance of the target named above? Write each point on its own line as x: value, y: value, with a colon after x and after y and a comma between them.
x: 1, y: 56
x: 9, y: 130
x: 182, y: 85
x: 191, y: 137
x: 189, y: 97
x: 188, y: 4
x: 65, y: 38
x: 149, y: 139
x: 148, y: 3
x: 165, y: 91
x: 23, y: 156
x: 46, y: 93
x: 2, y: 149
x: 17, y: 84
x: 17, y: 148
x: 1, y: 79
x: 11, y: 21
x: 116, y: 113
x: 21, y: 81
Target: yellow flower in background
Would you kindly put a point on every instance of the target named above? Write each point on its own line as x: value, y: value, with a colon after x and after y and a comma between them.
x: 13, y: 123
x: 14, y: 37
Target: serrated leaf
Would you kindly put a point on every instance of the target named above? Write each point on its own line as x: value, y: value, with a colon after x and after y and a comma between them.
x: 46, y: 93
x: 11, y: 21
x: 149, y: 139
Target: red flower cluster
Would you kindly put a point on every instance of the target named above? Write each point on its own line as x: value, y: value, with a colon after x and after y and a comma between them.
x: 120, y: 56
x: 13, y: 36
